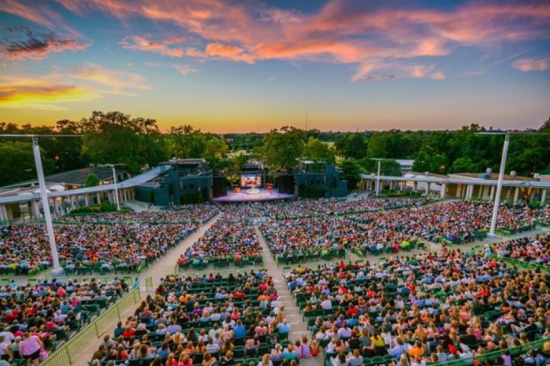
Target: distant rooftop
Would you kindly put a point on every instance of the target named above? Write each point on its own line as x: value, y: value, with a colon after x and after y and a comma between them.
x: 73, y: 177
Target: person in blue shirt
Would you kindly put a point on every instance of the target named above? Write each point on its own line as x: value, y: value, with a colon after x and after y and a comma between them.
x: 239, y: 330
x: 284, y: 327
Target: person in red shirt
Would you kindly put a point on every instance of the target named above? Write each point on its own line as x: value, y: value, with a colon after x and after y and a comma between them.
x: 129, y: 332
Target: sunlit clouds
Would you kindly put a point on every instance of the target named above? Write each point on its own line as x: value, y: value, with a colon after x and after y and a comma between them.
x: 532, y: 64
x: 274, y: 57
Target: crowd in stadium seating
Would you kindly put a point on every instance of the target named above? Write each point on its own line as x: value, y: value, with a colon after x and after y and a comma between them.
x: 531, y: 250
x: 426, y: 308
x: 192, y: 214
x: 49, y: 312
x: 206, y: 320
x: 324, y: 207
x: 112, y: 244
x: 231, y: 239
x: 389, y: 231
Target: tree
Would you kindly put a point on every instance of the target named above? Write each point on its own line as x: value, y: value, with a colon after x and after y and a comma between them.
x: 113, y: 137
x: 92, y: 180
x: 350, y: 170
x: 17, y: 162
x: 428, y: 160
x: 354, y: 146
x: 153, y: 149
x: 462, y: 165
x: 377, y: 146
x: 317, y: 150
x: 282, y: 149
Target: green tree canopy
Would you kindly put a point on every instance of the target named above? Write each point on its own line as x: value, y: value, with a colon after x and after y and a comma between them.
x: 318, y: 150
x: 350, y: 170
x: 92, y: 180
x: 282, y: 149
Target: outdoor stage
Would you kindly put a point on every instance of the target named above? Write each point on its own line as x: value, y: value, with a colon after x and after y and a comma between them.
x: 254, y: 195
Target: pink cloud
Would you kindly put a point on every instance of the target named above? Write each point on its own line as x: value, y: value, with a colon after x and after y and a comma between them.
x: 532, y: 64
x: 342, y: 31
x: 37, y: 13
x: 230, y: 52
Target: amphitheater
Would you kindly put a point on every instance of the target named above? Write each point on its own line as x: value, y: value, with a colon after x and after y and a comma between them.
x: 366, y: 281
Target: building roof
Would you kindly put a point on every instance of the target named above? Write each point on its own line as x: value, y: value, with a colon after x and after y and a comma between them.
x: 73, y: 177
x: 492, y: 176
x: 183, y: 162
x: 78, y: 177
x: 132, y: 182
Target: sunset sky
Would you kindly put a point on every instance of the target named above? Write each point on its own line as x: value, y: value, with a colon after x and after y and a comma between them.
x: 235, y: 66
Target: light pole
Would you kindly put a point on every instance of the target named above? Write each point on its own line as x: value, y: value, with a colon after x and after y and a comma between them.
x: 377, y: 176
x: 57, y: 270
x: 500, y: 178
x: 116, y: 187
x: 499, y: 184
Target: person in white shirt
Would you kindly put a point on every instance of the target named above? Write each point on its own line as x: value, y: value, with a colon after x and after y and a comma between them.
x: 326, y: 304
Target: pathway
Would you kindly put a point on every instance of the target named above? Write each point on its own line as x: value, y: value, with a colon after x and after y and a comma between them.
x: 292, y: 313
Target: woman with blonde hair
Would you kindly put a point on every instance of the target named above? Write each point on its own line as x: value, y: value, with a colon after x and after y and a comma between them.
x: 266, y: 361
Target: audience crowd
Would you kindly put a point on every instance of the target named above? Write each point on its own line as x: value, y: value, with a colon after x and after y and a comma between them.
x: 231, y: 239
x: 48, y: 312
x: 120, y: 241
x: 425, y: 308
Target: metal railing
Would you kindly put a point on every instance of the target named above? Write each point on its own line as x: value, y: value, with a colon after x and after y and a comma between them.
x: 69, y: 352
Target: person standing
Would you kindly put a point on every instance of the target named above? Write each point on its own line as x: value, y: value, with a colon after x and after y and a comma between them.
x: 30, y: 348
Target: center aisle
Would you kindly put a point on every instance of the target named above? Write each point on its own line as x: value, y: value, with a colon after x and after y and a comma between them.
x: 160, y: 269
x: 292, y: 313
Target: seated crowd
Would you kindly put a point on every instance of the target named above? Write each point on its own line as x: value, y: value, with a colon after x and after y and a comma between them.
x: 231, y: 239
x: 49, y: 312
x: 192, y: 214
x: 332, y: 206
x: 207, y: 320
x: 112, y: 245
x: 535, y: 250
x: 388, y: 231
x: 422, y: 309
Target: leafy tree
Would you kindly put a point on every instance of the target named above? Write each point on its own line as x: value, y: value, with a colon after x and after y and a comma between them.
x: 354, y: 146
x: 428, y: 160
x: 462, y: 165
x: 377, y: 146
x: 92, y: 180
x: 113, y: 137
x: 282, y: 149
x: 17, y: 162
x: 317, y: 150
x: 153, y: 149
x: 350, y: 170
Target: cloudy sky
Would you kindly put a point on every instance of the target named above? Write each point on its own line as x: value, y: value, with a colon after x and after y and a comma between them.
x: 243, y: 65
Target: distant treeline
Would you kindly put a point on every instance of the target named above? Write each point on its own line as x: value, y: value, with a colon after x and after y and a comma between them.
x: 115, y: 137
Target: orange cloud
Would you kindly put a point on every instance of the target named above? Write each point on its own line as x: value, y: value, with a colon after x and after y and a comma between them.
x: 52, y: 91
x: 40, y: 93
x: 532, y: 64
x: 228, y: 52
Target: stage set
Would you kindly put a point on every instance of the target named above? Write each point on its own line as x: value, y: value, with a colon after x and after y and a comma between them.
x: 251, y: 190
